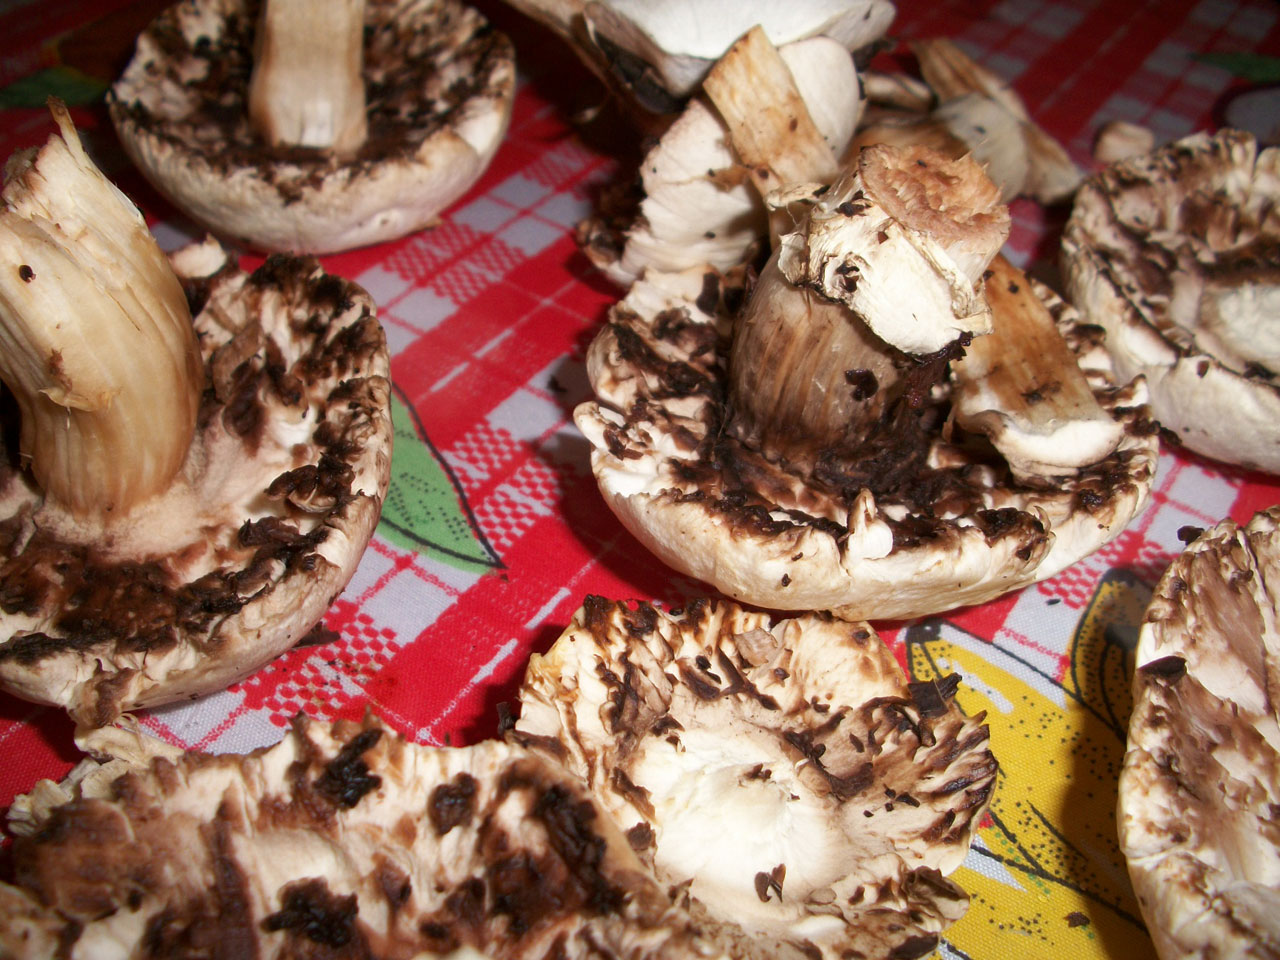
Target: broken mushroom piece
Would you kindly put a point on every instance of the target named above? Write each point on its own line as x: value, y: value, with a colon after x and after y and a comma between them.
x: 347, y: 841
x: 772, y: 118
x: 782, y: 451
x: 131, y: 575
x: 1201, y: 776
x: 657, y: 52
x: 1177, y: 254
x: 315, y: 129
x: 782, y: 776
x: 972, y: 111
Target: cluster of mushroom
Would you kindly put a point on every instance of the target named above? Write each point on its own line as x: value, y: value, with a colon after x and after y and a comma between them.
x: 841, y: 793
x: 869, y: 787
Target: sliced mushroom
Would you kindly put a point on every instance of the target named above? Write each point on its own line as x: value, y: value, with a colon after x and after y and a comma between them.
x: 781, y: 774
x: 659, y: 51
x: 132, y: 575
x: 790, y: 456
x: 437, y: 90
x: 1175, y: 253
x: 698, y: 204
x: 1201, y: 777
x: 342, y: 842
x: 1021, y: 387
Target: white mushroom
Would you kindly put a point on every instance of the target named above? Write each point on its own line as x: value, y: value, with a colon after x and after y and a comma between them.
x: 698, y: 204
x: 1201, y: 778
x: 788, y: 454
x: 659, y: 51
x: 782, y: 775
x: 1175, y: 254
x: 346, y: 842
x: 200, y: 488
x: 276, y: 134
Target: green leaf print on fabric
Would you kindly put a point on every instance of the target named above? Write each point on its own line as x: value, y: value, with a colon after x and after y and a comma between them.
x: 426, y: 510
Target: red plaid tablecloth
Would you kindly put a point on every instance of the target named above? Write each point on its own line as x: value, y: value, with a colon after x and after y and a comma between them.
x: 494, y: 531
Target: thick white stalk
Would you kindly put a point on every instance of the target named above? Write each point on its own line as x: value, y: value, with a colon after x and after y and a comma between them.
x: 307, y: 86
x: 96, y: 341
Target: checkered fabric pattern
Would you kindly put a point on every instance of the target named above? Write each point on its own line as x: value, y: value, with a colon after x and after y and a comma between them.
x: 496, y: 531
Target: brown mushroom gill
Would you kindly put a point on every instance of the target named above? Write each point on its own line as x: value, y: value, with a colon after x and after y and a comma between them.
x: 782, y: 772
x: 132, y: 592
x: 340, y: 842
x: 1201, y: 775
x: 204, y: 95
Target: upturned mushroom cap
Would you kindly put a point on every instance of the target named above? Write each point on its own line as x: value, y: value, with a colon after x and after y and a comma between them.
x: 239, y: 558
x: 782, y: 775
x: 1175, y: 254
x: 440, y: 84
x: 1201, y: 778
x: 901, y: 532
x: 347, y: 841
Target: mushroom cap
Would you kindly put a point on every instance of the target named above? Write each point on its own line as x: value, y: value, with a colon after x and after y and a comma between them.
x: 347, y: 841
x: 781, y: 774
x: 768, y: 533
x: 444, y: 86
x: 280, y: 492
x: 1177, y: 254
x: 1201, y: 778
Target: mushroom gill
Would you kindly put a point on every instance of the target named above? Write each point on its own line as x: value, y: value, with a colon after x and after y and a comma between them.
x: 1201, y: 777
x: 337, y: 842
x: 208, y: 450
x: 1176, y: 253
x: 782, y: 776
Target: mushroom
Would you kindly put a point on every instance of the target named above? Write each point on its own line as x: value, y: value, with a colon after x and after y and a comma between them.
x: 657, y: 52
x: 1175, y: 253
x: 789, y: 110
x: 347, y: 841
x: 975, y: 111
x: 1201, y: 776
x: 203, y: 452
x: 782, y: 776
x: 314, y: 128
x: 803, y: 451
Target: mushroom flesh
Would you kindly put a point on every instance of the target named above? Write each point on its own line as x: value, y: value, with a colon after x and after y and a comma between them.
x: 347, y: 841
x: 779, y: 445
x: 1201, y: 776
x: 782, y: 776
x: 1177, y: 254
x: 314, y: 128
x: 133, y: 574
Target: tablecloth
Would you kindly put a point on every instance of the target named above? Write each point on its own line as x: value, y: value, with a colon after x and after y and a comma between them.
x: 494, y: 532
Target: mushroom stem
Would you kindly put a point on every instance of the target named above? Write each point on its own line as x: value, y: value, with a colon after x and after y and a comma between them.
x: 887, y: 264
x: 307, y: 85
x: 1021, y: 386
x: 96, y: 342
